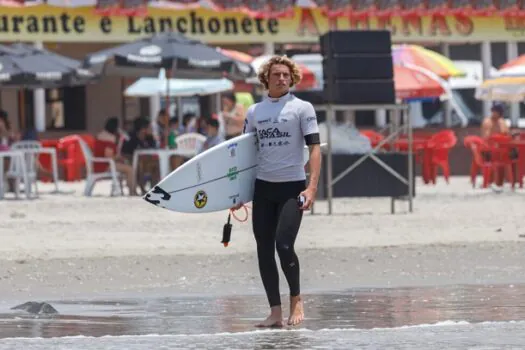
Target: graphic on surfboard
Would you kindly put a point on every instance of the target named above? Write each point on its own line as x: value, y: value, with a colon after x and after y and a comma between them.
x: 213, y: 180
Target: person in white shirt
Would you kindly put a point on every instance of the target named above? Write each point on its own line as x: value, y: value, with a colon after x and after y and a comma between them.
x: 284, y: 124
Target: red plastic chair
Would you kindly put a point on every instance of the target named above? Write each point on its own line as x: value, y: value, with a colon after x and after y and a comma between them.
x: 477, y: 146
x: 71, y: 157
x: 375, y: 138
x: 437, y: 152
x: 45, y: 159
x: 499, y: 146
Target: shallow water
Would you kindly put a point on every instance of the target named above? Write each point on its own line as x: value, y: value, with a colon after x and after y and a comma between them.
x: 453, y: 317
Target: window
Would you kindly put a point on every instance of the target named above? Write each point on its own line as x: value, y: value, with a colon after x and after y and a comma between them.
x: 66, y: 108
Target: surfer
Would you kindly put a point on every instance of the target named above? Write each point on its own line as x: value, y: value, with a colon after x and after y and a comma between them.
x: 284, y: 123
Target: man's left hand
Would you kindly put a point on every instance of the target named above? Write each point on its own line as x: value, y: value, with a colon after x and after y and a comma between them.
x: 309, y: 198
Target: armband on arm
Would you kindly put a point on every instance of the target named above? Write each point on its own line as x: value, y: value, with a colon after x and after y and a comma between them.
x: 312, y: 139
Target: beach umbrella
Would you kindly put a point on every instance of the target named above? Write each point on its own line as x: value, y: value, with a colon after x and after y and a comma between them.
x: 512, y: 71
x: 411, y: 84
x: 148, y: 87
x: 427, y: 59
x: 516, y: 62
x: 28, y: 67
x: 513, y: 68
x: 182, y: 58
x: 508, y: 89
x: 237, y: 55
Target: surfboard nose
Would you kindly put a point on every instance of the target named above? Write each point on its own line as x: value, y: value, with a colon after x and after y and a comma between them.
x: 156, y: 195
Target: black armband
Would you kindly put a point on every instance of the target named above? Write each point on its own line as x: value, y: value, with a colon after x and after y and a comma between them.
x: 312, y: 139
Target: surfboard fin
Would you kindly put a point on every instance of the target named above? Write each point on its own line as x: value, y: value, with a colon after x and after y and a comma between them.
x: 226, y: 232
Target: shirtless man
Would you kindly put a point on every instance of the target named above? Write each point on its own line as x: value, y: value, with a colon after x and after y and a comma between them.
x: 495, y: 124
x: 284, y: 124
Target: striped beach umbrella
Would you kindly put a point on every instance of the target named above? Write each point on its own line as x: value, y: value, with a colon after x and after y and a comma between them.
x: 412, y: 84
x: 508, y: 89
x: 427, y: 59
x: 516, y: 62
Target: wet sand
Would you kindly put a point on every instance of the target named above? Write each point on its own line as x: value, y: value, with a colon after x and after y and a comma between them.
x: 451, y: 317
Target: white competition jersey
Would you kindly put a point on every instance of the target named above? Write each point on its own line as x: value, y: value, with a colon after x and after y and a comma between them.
x: 281, y: 125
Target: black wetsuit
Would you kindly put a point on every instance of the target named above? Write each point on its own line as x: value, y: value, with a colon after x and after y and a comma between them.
x: 276, y: 226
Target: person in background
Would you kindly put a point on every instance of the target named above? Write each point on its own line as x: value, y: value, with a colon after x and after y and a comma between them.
x: 174, y: 132
x: 141, y: 137
x: 7, y: 136
x: 106, y: 147
x: 213, y: 137
x: 190, y: 122
x: 160, y: 128
x: 232, y: 116
x: 495, y: 124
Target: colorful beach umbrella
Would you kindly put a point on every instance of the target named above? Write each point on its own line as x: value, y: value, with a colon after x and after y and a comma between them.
x: 413, y: 84
x: 237, y: 55
x: 518, y: 61
x: 427, y: 59
x: 508, y: 89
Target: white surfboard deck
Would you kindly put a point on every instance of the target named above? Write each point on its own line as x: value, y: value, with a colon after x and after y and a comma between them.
x: 214, y: 180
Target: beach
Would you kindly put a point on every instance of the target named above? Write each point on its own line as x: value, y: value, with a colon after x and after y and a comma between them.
x: 123, y: 273
x: 63, y: 245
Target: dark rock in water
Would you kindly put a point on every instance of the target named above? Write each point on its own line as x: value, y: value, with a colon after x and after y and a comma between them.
x: 36, y: 308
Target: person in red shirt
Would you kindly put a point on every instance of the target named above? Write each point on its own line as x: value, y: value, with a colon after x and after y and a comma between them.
x: 106, y: 146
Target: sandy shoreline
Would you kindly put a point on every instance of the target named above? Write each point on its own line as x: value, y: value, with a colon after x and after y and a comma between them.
x: 64, y: 244
x: 322, y: 270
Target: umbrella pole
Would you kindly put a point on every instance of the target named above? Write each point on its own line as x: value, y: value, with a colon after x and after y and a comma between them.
x: 21, y: 109
x: 168, y: 100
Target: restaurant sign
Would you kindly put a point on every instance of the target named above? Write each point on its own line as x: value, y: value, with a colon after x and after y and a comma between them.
x: 84, y: 24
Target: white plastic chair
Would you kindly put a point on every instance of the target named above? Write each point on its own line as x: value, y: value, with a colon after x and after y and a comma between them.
x: 92, y: 177
x: 31, y: 164
x: 190, y: 143
x: 16, y: 157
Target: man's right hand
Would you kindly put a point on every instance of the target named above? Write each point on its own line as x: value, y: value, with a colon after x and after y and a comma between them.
x: 237, y: 207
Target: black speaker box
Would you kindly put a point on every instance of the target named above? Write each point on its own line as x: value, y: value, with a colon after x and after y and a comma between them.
x: 352, y: 92
x: 356, y: 41
x: 358, y: 66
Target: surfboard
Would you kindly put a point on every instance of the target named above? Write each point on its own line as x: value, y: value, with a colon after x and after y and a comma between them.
x: 214, y: 180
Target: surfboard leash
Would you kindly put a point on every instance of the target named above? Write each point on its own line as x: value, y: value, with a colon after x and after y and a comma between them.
x: 245, y: 210
x: 227, y: 229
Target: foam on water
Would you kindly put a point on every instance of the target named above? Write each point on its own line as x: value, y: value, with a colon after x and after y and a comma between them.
x: 263, y: 331
x: 446, y: 334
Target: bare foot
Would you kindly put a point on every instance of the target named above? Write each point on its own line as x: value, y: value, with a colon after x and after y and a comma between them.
x: 296, y: 311
x: 274, y: 320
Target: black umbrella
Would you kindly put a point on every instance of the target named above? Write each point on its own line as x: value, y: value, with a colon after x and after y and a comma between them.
x: 25, y: 66
x: 180, y: 56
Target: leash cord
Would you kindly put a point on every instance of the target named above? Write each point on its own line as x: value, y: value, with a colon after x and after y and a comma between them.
x: 245, y: 210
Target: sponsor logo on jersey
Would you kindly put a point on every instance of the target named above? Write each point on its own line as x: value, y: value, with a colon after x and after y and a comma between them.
x: 273, y: 133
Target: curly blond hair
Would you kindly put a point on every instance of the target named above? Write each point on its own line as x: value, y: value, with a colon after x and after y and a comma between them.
x: 264, y: 70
